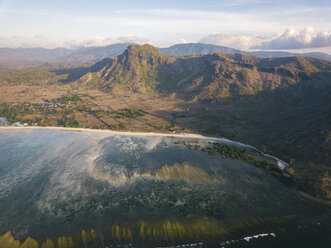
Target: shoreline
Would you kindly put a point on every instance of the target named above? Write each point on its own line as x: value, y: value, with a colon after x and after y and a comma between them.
x: 129, y: 133
x: 281, y: 164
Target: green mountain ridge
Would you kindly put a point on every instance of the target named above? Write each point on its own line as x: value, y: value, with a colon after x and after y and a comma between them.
x: 206, y: 77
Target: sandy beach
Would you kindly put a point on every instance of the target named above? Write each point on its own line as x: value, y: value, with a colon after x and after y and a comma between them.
x: 128, y: 133
x: 280, y: 162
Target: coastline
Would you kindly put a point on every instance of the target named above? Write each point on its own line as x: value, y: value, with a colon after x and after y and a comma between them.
x: 181, y: 135
x: 281, y: 164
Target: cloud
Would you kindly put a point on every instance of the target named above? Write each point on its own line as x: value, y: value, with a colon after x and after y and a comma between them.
x: 293, y: 39
x: 101, y: 41
x: 237, y: 40
x: 25, y: 42
x: 182, y: 41
x: 307, y: 39
x: 289, y: 39
x: 48, y: 42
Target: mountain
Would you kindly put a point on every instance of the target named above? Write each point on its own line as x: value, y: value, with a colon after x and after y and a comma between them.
x: 31, y: 56
x: 136, y: 69
x: 277, y: 54
x: 89, y: 55
x: 196, y: 48
x: 38, y: 56
x: 201, y: 48
x: 93, y: 54
x: 205, y: 77
x: 244, y: 96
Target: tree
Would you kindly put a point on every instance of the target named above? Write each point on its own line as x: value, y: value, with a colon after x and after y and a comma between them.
x: 264, y: 148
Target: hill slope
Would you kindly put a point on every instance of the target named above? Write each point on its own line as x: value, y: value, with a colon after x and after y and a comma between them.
x: 211, y: 76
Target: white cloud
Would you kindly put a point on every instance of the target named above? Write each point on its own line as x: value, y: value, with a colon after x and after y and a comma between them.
x: 290, y: 39
x: 101, y: 41
x: 25, y: 42
x: 305, y: 40
x: 293, y: 39
x: 237, y: 40
x: 47, y: 42
x: 182, y: 41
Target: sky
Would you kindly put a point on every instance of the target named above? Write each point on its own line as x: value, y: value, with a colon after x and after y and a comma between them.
x: 294, y: 25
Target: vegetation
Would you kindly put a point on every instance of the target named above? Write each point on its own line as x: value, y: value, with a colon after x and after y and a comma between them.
x: 48, y: 244
x: 121, y: 234
x: 8, y: 241
x: 68, y: 98
x: 64, y: 242
x: 9, y: 112
x: 172, y: 232
x: 196, y: 147
x: 166, y: 232
x: 234, y: 152
x: 29, y: 243
x: 130, y: 113
x: 91, y: 239
x: 228, y: 151
x: 70, y: 122
x: 29, y: 77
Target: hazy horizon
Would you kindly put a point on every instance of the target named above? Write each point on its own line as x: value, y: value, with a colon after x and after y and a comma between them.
x: 296, y: 26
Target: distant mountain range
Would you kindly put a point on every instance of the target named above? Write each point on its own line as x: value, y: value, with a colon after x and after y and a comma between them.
x: 93, y: 54
x: 197, y: 48
x: 89, y: 55
x: 31, y: 56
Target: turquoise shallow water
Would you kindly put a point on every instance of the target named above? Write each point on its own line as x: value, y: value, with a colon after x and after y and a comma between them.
x: 55, y: 183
